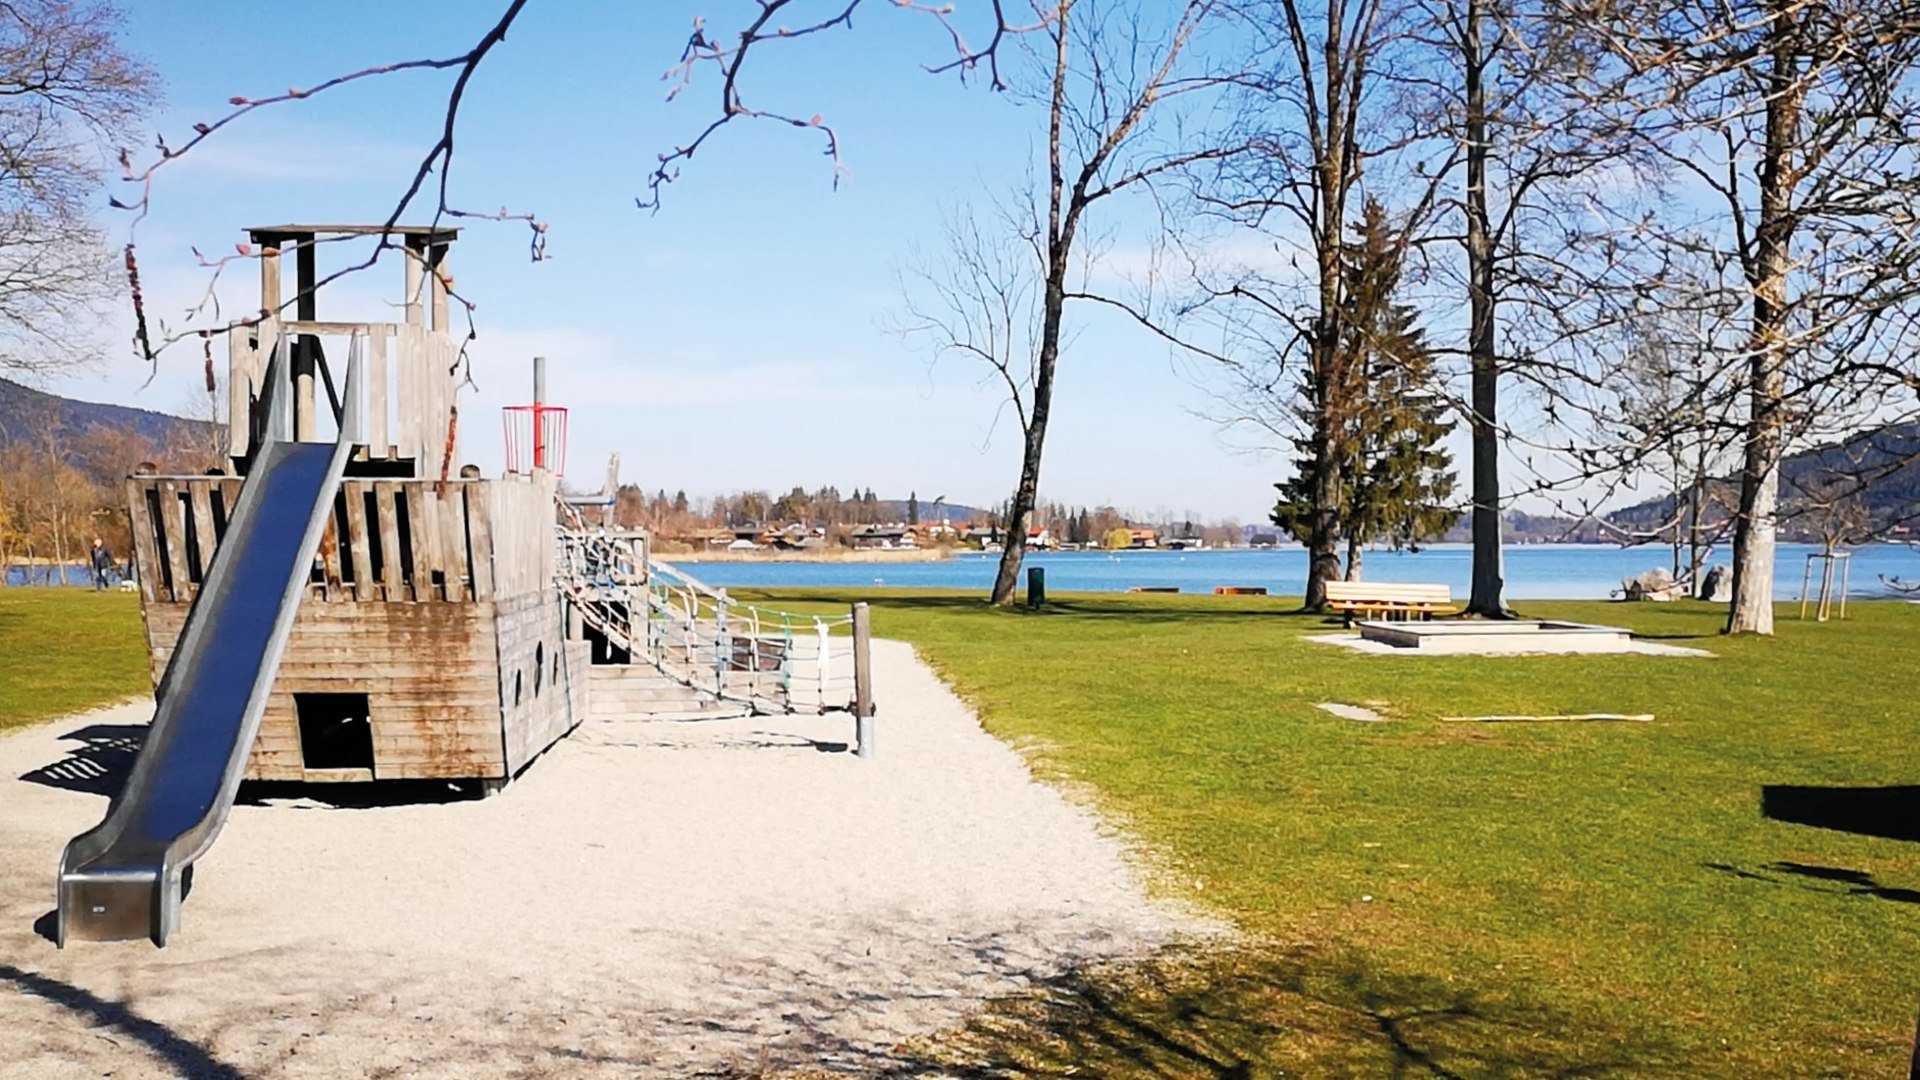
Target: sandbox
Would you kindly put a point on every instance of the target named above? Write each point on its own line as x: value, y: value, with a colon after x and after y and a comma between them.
x: 1529, y: 635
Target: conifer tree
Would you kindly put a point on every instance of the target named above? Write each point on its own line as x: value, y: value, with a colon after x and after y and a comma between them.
x: 1386, y: 421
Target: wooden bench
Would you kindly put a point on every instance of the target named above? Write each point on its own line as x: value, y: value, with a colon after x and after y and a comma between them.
x: 1389, y: 600
x: 1239, y: 590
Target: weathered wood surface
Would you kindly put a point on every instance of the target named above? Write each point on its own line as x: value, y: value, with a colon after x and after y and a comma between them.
x: 402, y: 607
x: 430, y: 673
x: 464, y: 540
x: 537, y: 697
x: 409, y: 385
x: 524, y: 547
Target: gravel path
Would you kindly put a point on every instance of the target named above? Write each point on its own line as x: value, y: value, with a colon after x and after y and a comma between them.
x: 657, y: 898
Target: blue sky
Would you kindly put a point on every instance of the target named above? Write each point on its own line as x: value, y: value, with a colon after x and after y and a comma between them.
x: 737, y: 338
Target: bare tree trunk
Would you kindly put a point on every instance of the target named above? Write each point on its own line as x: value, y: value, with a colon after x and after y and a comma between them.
x: 1323, y: 554
x: 1753, y: 540
x: 1020, y: 509
x: 1063, y: 218
x: 1485, y: 596
x: 1679, y: 537
x: 1353, y: 559
x: 1329, y: 420
x: 1696, y: 527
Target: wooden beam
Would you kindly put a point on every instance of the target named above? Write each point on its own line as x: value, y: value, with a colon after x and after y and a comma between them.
x: 364, y: 588
x: 270, y: 294
x: 438, y: 262
x: 146, y: 555
x: 423, y: 539
x: 307, y: 348
x: 323, y: 326
x: 415, y: 282
x: 386, y: 500
x: 452, y: 527
x: 200, y: 502
x: 173, y: 522
x: 479, y: 502
x: 378, y: 445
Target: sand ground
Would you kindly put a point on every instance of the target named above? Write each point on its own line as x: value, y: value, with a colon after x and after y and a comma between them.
x: 649, y: 898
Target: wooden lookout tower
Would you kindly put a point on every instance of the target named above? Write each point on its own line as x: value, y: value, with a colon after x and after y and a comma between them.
x: 430, y: 641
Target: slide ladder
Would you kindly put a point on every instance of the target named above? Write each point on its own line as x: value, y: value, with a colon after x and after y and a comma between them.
x: 124, y: 878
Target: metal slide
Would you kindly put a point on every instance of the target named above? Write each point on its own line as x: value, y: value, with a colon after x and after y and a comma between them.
x: 122, y: 879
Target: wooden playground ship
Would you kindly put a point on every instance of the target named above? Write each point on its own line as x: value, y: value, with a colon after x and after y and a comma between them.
x: 345, y: 607
x: 454, y: 627
x: 431, y: 642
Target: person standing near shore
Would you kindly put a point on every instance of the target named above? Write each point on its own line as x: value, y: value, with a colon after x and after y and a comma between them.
x: 102, y: 562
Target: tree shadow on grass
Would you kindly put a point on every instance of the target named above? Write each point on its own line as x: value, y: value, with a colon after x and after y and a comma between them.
x: 1264, y: 1012
x: 1892, y: 813
x: 1834, y: 880
x: 1117, y: 606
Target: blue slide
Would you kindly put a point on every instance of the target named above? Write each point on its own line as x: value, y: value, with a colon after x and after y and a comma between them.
x: 122, y: 879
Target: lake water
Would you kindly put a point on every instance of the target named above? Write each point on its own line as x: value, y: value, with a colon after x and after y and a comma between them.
x: 1534, y: 572
x: 47, y: 575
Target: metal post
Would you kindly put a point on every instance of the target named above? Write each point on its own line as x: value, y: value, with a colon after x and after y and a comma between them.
x: 1846, y: 572
x: 720, y: 648
x: 539, y: 399
x: 1826, y: 588
x: 862, y: 681
x: 825, y: 636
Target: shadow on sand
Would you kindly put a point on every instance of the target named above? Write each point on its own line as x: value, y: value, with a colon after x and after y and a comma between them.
x: 187, y: 1058
x: 98, y: 766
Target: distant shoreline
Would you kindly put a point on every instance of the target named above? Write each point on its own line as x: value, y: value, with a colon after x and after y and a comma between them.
x: 863, y: 555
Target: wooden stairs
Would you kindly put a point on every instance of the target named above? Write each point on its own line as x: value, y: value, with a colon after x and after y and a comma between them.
x: 642, y: 692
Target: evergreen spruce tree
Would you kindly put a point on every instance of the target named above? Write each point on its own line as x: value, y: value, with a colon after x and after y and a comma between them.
x: 1388, y: 422
x: 913, y: 508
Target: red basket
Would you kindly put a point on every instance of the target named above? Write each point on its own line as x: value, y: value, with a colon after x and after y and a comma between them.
x: 536, y: 438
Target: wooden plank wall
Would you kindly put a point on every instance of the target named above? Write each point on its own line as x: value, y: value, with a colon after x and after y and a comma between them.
x: 539, y: 698
x: 423, y: 396
x: 401, y: 607
x: 522, y: 525
x: 428, y: 671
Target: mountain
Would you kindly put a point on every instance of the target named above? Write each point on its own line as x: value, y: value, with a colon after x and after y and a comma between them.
x: 896, y: 510
x: 1868, y: 484
x: 29, y: 416
x: 105, y: 442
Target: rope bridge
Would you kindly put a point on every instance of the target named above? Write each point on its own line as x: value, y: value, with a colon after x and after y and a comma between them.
x: 766, y: 659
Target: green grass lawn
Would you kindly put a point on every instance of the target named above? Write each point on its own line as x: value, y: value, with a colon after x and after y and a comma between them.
x: 64, y: 650
x: 1471, y: 899
x: 1420, y: 898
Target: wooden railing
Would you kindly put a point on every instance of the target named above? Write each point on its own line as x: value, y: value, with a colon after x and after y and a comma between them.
x: 398, y: 541
x: 410, y: 387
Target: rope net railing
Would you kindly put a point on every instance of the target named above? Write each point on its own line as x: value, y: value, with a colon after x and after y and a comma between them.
x: 764, y: 658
